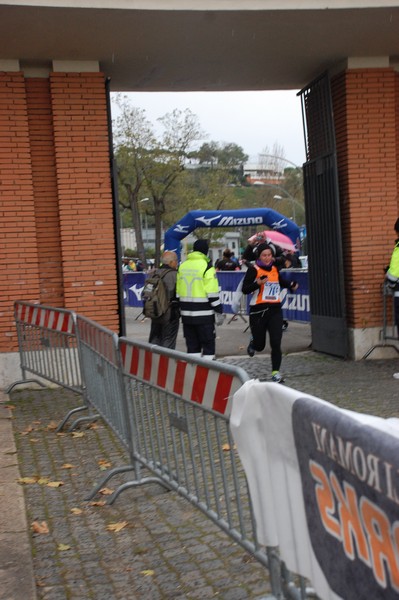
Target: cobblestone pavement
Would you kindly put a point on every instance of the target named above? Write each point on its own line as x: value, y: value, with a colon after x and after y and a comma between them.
x: 165, y: 549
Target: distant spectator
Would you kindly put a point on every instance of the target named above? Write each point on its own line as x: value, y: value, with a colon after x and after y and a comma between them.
x: 227, y: 263
x: 291, y: 261
x: 164, y: 330
x: 139, y: 265
x: 126, y: 265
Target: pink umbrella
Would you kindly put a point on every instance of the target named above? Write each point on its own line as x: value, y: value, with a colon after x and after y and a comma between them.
x: 277, y: 238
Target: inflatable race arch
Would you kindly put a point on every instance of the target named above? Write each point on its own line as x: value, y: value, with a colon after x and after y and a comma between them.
x: 244, y: 217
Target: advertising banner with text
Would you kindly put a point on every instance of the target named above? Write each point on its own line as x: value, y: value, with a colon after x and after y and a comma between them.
x: 324, y: 483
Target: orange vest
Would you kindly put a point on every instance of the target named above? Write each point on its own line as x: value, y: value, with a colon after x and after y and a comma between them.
x: 270, y: 290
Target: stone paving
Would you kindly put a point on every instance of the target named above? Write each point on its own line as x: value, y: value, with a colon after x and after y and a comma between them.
x: 165, y: 548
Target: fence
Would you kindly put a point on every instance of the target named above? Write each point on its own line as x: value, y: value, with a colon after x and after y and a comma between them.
x: 48, y: 348
x: 296, y: 307
x: 170, y: 411
x: 388, y: 331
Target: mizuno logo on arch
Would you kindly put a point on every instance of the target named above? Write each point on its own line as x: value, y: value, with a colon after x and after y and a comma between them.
x: 232, y: 221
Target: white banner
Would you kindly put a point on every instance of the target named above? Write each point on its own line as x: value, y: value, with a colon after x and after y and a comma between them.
x: 324, y: 483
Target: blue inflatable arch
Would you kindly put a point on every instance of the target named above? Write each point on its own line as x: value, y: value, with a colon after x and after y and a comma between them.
x: 230, y: 218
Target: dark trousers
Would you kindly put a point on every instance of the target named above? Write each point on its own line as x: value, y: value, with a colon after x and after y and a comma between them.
x: 164, y: 335
x: 200, y: 338
x: 268, y: 320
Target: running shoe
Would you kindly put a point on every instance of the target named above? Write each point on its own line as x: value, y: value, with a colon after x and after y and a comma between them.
x: 277, y: 377
x: 250, y: 349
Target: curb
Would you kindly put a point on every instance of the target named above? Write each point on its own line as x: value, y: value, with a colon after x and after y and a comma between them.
x: 17, y: 580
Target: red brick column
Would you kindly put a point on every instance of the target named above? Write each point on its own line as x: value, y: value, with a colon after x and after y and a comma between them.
x: 41, y: 137
x: 365, y: 112
x: 84, y: 194
x: 19, y: 277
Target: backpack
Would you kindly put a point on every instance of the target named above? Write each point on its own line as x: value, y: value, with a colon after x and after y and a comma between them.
x: 155, y: 295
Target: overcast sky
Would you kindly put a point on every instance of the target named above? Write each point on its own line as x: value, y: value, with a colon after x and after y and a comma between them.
x: 253, y: 120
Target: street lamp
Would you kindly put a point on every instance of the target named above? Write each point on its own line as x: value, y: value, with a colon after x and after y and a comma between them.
x: 278, y: 197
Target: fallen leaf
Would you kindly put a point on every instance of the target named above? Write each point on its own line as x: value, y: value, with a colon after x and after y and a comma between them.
x: 147, y: 572
x: 10, y: 406
x: 33, y: 440
x: 104, y: 464
x: 76, y: 511
x: 26, y: 480
x: 77, y: 434
x: 52, y: 426
x: 227, y: 447
x: 55, y: 484
x: 97, y: 503
x: 26, y: 431
x: 94, y: 426
x: 117, y: 526
x: 106, y: 491
x: 67, y: 466
x: 40, y: 527
x: 63, y: 547
x: 43, y: 480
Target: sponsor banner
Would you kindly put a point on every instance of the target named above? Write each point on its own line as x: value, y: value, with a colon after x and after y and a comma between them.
x: 228, y: 284
x: 324, y: 483
x: 295, y: 306
x: 133, y: 284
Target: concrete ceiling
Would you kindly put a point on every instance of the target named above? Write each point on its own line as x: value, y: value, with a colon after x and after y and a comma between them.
x: 210, y: 50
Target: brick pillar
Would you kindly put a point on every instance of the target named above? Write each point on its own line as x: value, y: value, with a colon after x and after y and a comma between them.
x: 45, y: 192
x: 84, y: 195
x: 19, y: 275
x: 365, y: 113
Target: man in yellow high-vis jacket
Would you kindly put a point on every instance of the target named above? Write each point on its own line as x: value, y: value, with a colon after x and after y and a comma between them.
x: 392, y: 277
x: 197, y: 289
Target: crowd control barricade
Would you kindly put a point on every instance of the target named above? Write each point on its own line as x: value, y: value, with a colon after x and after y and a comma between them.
x: 229, y: 284
x: 179, y: 407
x: 48, y: 348
x: 296, y: 306
x: 105, y: 389
x: 388, y: 331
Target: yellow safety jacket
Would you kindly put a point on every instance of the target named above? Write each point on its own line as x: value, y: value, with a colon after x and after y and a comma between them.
x: 392, y: 275
x: 197, y: 289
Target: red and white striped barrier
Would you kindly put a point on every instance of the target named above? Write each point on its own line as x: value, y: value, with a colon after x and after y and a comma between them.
x: 42, y: 316
x: 206, y: 385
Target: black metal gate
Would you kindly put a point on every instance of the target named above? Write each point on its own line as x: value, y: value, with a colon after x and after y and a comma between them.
x: 323, y: 223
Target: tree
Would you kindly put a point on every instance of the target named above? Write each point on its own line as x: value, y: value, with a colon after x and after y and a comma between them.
x: 149, y: 165
x: 181, y: 130
x: 134, y: 140
x: 227, y: 156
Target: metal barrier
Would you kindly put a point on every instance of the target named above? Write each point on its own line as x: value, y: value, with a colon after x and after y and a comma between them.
x: 388, y: 331
x: 180, y: 411
x: 169, y: 410
x: 48, y: 348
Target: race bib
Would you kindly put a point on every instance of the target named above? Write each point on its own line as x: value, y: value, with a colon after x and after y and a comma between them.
x: 271, y: 292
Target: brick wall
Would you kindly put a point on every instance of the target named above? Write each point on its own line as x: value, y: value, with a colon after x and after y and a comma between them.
x: 19, y: 276
x: 365, y: 113
x: 57, y: 242
x: 84, y: 195
x: 45, y: 192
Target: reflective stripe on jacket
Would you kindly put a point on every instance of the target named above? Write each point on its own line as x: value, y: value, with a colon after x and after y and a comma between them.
x: 197, y: 289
